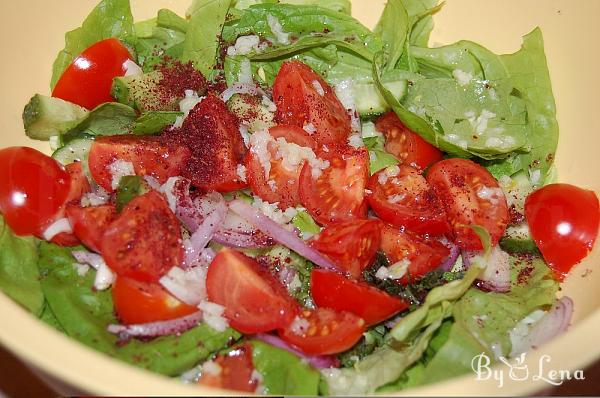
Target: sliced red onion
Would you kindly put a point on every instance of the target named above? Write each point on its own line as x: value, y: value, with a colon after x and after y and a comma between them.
x: 205, y: 232
x: 317, y: 361
x: 449, y: 262
x: 94, y: 260
x: 280, y: 234
x: 531, y: 333
x: 155, y: 329
x: 241, y: 88
x: 496, y: 276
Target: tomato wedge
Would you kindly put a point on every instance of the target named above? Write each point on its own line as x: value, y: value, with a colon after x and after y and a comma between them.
x: 88, y: 80
x: 332, y: 290
x: 338, y: 193
x: 563, y: 220
x: 470, y: 195
x: 352, y: 245
x: 324, y: 331
x: 401, y: 196
x: 89, y: 223
x: 144, y: 241
x: 254, y: 300
x: 282, y: 186
x: 140, y: 302
x: 407, y: 146
x: 303, y: 97
x: 425, y: 255
x: 212, y: 134
x: 233, y: 371
x: 149, y: 156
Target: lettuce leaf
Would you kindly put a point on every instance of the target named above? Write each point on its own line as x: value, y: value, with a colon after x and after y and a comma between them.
x: 110, y: 118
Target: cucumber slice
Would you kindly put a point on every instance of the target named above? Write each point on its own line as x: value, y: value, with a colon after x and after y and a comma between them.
x: 44, y: 117
x: 516, y: 189
x: 74, y: 151
x: 518, y: 240
x: 369, y: 101
x: 250, y: 110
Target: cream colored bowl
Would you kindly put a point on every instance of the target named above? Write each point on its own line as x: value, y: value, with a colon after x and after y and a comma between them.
x: 32, y: 32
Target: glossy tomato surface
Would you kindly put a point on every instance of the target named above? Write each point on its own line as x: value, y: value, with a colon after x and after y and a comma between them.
x: 471, y: 196
x: 139, y: 302
x: 563, y: 220
x: 90, y: 223
x: 88, y: 80
x: 254, y: 300
x: 235, y: 371
x: 324, y: 331
x: 332, y: 290
x: 33, y: 189
x: 303, y: 98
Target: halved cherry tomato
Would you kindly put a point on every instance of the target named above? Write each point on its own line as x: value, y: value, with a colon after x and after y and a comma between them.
x: 401, y: 196
x: 254, y: 300
x: 88, y: 80
x: 284, y: 186
x: 149, y: 156
x: 144, y: 241
x: 425, y: 255
x: 563, y: 220
x: 326, y: 331
x: 303, y: 97
x: 407, y: 146
x: 33, y: 189
x: 352, y: 245
x: 140, y: 302
x: 235, y: 371
x: 212, y: 134
x: 89, y: 223
x: 332, y: 290
x: 470, y: 195
x: 338, y: 194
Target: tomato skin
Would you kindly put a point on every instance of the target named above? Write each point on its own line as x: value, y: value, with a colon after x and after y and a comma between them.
x: 352, y: 245
x: 299, y: 103
x: 406, y: 146
x: 425, y: 255
x: 144, y: 241
x: 89, y: 223
x: 140, y: 302
x: 286, y: 191
x: 254, y: 300
x: 338, y: 194
x: 33, y: 189
x: 563, y: 220
x: 236, y: 371
x: 457, y: 182
x: 88, y: 80
x: 149, y: 156
x: 332, y: 290
x: 329, y: 332
x: 418, y: 209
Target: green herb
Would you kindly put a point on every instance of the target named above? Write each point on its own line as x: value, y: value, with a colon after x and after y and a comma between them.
x: 130, y: 187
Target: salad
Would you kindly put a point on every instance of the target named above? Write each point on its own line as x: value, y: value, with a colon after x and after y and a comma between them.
x: 267, y: 196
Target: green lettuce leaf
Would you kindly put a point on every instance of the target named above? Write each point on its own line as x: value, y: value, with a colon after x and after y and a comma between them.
x: 169, y: 20
x: 380, y: 158
x: 305, y: 223
x: 111, y: 118
x: 19, y: 275
x: 110, y: 18
x: 392, y: 28
x: 157, y: 40
x: 151, y: 123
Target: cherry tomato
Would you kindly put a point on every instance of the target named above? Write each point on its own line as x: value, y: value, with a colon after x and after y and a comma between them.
x: 254, y: 300
x: 563, y: 220
x: 325, y: 331
x: 338, y: 194
x: 149, y: 156
x: 285, y: 190
x: 33, y: 189
x: 425, y: 255
x: 144, y: 241
x: 401, y: 196
x: 332, y: 290
x: 140, y: 302
x: 407, y: 146
x: 235, y: 371
x: 89, y: 223
x: 212, y: 134
x: 88, y: 80
x: 352, y: 245
x: 303, y: 97
x: 470, y: 195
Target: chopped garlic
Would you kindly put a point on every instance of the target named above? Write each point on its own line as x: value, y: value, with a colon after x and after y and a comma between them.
x: 241, y: 172
x: 119, y: 169
x: 104, y: 277
x: 186, y: 105
x: 310, y: 128
x: 492, y: 195
x: 211, y: 368
x: 82, y: 269
x: 356, y: 141
x: 395, y: 271
x: 267, y: 103
x: 245, y: 73
x: 213, y: 315
x: 463, y: 78
x: 317, y: 86
x: 396, y: 198
x: 244, y: 45
x: 299, y: 326
x: 480, y: 123
x: 275, y: 25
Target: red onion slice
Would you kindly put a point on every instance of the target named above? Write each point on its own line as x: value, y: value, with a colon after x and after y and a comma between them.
x: 449, y: 262
x: 205, y: 232
x: 241, y: 88
x: 496, y: 276
x: 317, y: 361
x: 280, y: 234
x: 155, y: 329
